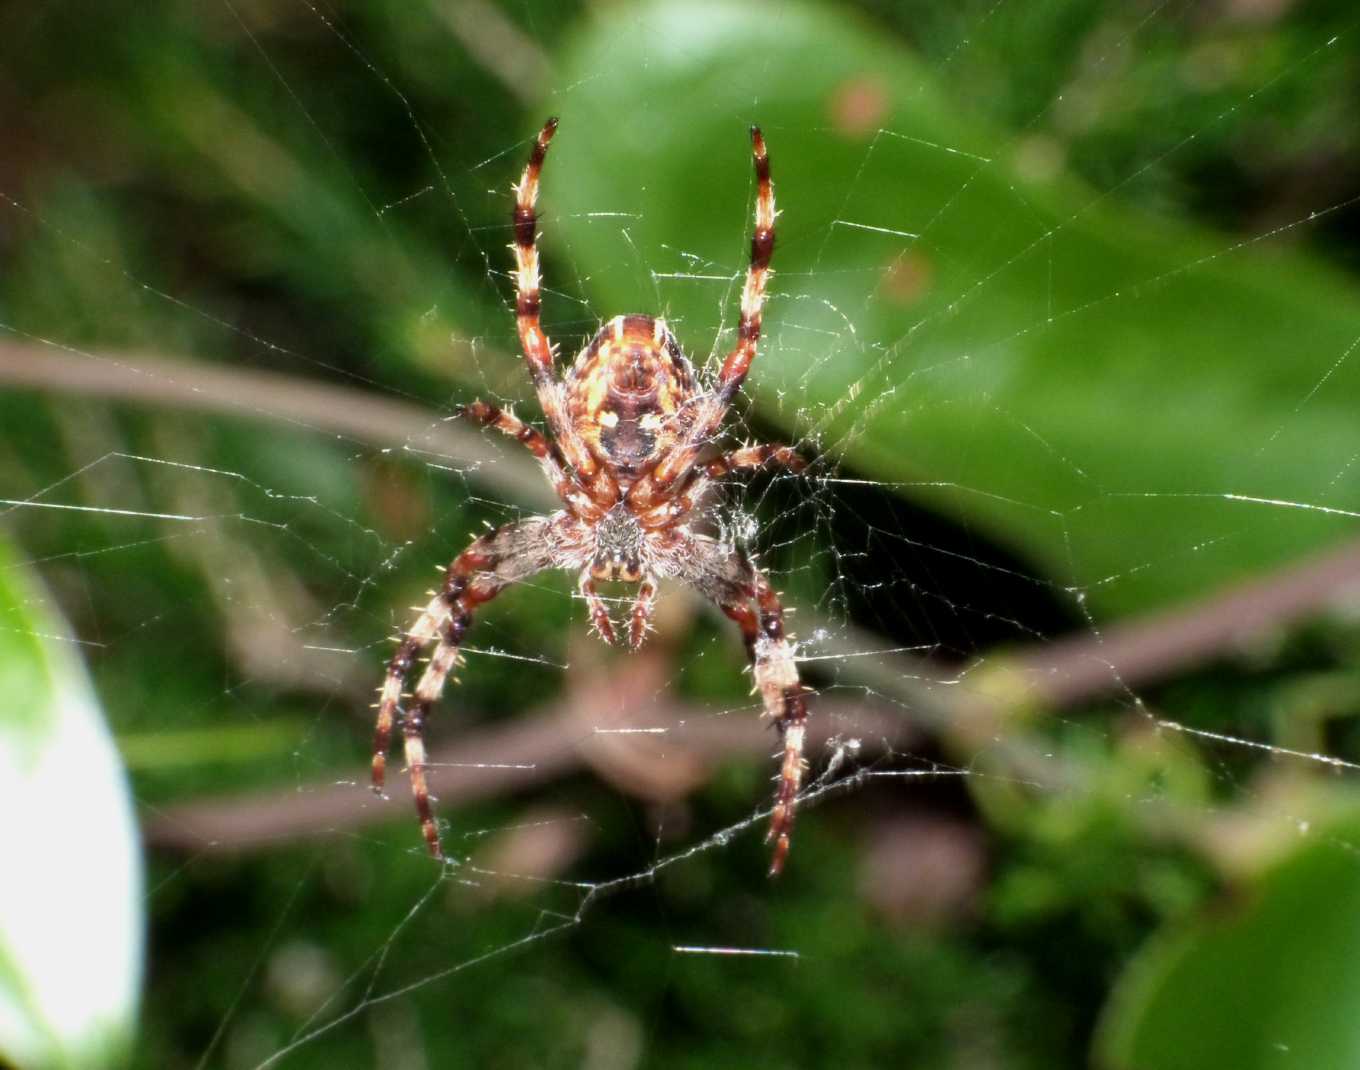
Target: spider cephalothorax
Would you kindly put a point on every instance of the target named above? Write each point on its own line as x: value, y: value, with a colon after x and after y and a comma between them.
x: 630, y: 425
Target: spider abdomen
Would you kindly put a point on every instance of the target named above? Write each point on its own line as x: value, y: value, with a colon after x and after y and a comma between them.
x: 627, y: 393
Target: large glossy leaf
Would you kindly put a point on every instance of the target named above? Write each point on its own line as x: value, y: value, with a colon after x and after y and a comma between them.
x: 71, y: 891
x: 1269, y: 980
x: 950, y: 311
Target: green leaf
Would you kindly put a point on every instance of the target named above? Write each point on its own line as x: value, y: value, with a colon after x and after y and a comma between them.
x: 951, y: 311
x: 71, y: 895
x: 1272, y: 980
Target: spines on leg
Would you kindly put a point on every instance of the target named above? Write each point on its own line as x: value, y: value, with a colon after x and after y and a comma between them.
x: 528, y: 296
x: 765, y: 455
x: 784, y: 701
x: 640, y: 621
x: 477, y: 575
x: 599, y: 612
x: 398, y: 668
x: 738, y: 362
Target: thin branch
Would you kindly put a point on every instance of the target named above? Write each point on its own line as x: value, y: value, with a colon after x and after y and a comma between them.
x: 1132, y: 654
x: 493, y: 762
x: 323, y: 408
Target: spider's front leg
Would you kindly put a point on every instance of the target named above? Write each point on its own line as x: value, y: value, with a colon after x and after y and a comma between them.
x: 534, y: 342
x: 477, y: 575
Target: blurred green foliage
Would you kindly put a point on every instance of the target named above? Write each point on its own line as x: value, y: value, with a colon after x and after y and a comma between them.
x: 1065, y: 363
x: 70, y: 962
x: 1269, y: 980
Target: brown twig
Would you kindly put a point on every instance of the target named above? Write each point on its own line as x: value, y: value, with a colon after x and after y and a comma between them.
x: 323, y: 408
x: 492, y: 762
x: 1138, y: 652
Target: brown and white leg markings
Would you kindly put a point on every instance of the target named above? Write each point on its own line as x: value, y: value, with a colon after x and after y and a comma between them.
x: 599, y: 613
x: 641, y: 620
x: 550, y: 458
x: 427, y: 693
x: 528, y: 300
x: 760, y: 456
x: 476, y: 576
x: 782, y: 696
x: 738, y: 362
x: 506, y: 422
x: 785, y: 701
x: 537, y: 347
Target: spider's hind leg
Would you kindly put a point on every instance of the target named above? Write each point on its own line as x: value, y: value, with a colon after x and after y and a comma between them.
x: 726, y: 576
x: 534, y: 342
x: 476, y: 576
x: 784, y: 699
x: 537, y: 349
x: 711, y: 408
x: 738, y: 362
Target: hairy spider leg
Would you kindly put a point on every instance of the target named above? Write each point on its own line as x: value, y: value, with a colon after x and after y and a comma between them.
x: 528, y: 299
x: 549, y: 456
x: 712, y: 408
x: 538, y: 349
x: 643, y: 605
x: 476, y: 576
x: 679, y: 504
x: 738, y: 362
x: 766, y: 455
x: 599, y: 615
x: 508, y: 423
x: 784, y: 699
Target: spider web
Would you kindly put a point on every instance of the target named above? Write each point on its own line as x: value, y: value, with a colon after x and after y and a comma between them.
x: 214, y: 485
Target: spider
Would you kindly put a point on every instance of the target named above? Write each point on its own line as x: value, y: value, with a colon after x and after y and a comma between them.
x: 629, y: 426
